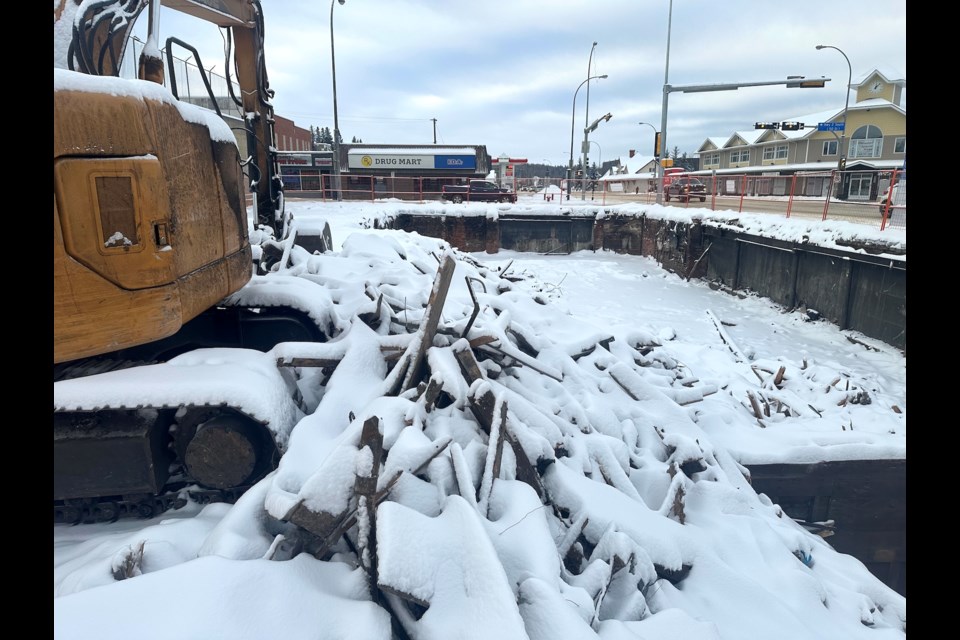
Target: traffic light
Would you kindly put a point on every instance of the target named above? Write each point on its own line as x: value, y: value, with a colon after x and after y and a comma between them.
x: 791, y: 126
x: 766, y: 125
x: 842, y: 164
x: 656, y: 145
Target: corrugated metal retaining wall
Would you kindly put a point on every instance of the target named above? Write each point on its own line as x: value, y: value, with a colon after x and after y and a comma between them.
x: 854, y: 289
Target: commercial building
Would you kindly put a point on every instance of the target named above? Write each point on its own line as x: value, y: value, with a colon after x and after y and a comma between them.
x: 876, y: 139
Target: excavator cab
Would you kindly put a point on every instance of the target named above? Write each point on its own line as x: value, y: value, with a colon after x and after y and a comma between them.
x: 150, y: 220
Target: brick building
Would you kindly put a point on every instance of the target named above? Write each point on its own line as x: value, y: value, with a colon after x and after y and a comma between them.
x: 290, y: 137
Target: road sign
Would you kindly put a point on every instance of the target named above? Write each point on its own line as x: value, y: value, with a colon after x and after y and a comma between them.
x: 830, y: 126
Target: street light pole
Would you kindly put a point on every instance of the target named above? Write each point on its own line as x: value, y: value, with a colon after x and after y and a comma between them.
x: 336, y: 122
x: 842, y: 151
x: 658, y: 169
x: 586, y: 112
x: 573, y: 115
x: 664, y: 150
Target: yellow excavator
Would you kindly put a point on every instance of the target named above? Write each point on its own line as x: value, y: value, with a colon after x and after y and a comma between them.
x: 150, y: 238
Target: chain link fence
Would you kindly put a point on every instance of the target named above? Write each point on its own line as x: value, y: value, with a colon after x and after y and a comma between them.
x: 190, y: 86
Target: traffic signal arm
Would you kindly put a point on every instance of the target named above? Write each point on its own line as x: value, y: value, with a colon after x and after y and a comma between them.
x: 804, y: 83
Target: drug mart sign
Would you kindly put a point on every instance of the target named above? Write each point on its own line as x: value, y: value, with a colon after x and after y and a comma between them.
x: 411, y: 161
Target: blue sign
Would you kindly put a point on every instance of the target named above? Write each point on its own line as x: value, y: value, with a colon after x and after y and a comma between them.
x: 454, y: 162
x: 830, y: 126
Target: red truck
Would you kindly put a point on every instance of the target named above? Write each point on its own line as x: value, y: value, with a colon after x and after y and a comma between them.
x: 476, y: 191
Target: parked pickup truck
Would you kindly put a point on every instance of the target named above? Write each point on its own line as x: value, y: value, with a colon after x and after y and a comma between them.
x: 686, y: 189
x: 476, y: 191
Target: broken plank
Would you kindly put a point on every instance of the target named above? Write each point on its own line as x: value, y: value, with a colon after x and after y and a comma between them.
x: 756, y: 406
x: 725, y: 337
x: 524, y: 360
x: 431, y: 318
x: 491, y: 468
x: 697, y: 261
x: 526, y: 471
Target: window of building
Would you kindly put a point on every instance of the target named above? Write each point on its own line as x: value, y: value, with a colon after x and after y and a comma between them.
x: 866, y: 142
x: 900, y: 145
x: 742, y: 155
x: 778, y: 152
x: 829, y: 148
x: 711, y: 160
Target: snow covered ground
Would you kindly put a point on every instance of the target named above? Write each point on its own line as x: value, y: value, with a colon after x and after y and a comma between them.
x: 616, y: 508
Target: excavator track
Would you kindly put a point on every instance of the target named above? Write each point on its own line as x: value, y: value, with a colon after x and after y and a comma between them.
x: 113, y: 508
x: 207, y: 425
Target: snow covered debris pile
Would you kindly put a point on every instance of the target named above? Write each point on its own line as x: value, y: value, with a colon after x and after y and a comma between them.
x: 475, y: 464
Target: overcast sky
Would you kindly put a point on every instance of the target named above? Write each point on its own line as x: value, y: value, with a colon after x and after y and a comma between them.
x: 503, y: 73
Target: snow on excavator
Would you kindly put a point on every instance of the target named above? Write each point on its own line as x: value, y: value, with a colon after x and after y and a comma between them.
x: 151, y: 241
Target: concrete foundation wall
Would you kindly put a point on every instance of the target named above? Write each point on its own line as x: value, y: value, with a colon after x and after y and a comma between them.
x: 852, y: 289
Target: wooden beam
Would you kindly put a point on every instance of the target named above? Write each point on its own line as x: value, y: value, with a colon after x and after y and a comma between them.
x: 431, y: 318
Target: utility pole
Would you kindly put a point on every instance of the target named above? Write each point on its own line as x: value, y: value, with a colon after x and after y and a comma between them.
x: 434, y: 130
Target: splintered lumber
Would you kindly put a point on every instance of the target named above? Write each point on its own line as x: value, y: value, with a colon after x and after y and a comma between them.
x: 365, y: 486
x: 526, y: 471
x: 491, y: 469
x: 525, y: 360
x: 482, y: 404
x: 697, y: 261
x: 727, y: 340
x: 320, y: 523
x: 476, y: 305
x: 431, y: 318
x: 756, y: 405
x: 390, y: 354
x: 576, y: 528
x: 431, y: 393
x: 778, y: 379
x: 350, y: 520
x: 468, y: 365
x: 328, y: 355
x: 482, y: 340
x: 447, y: 562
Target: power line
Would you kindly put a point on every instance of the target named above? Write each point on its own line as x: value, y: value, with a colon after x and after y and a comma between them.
x: 313, y: 116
